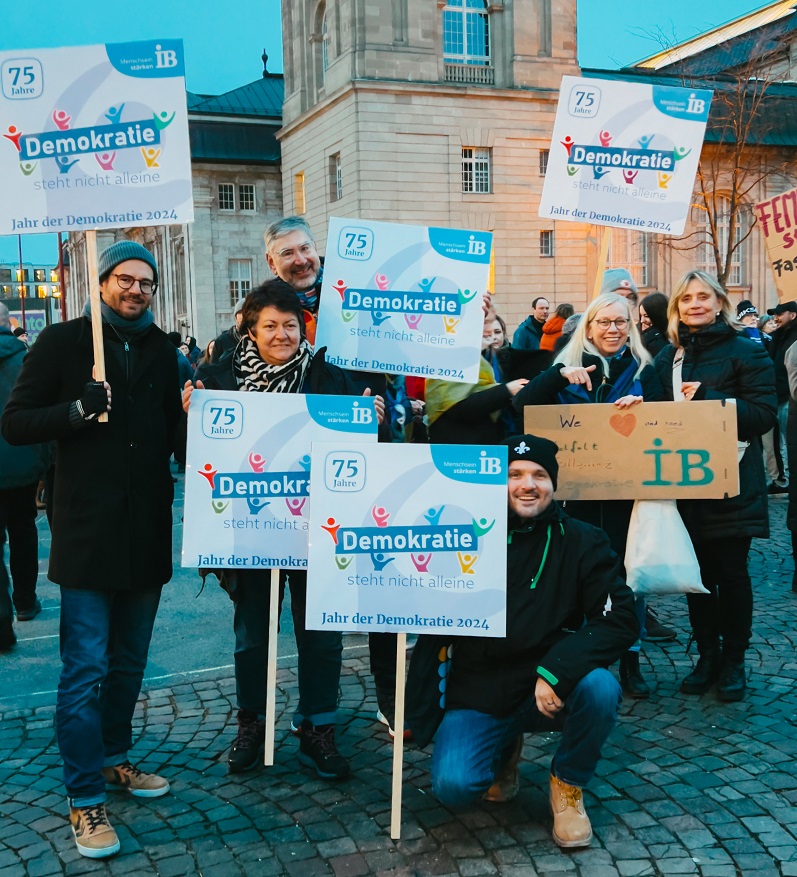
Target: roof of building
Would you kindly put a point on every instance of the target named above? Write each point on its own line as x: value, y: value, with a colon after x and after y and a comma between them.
x: 748, y: 27
x: 773, y: 123
x: 234, y: 142
x: 262, y: 98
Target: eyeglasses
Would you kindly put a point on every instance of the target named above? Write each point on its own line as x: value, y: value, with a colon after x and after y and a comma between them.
x: 306, y: 250
x: 620, y: 322
x: 126, y: 282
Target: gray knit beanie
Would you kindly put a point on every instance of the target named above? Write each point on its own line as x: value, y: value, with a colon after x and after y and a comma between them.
x: 120, y: 252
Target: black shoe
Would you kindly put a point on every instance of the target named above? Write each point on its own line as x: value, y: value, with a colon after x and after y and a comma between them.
x: 630, y: 677
x: 733, y: 680
x: 776, y: 488
x: 655, y: 631
x: 7, y: 638
x: 247, y: 750
x: 704, y: 675
x: 317, y: 749
x: 30, y: 613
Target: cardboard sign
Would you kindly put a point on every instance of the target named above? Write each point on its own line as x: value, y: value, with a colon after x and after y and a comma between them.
x: 404, y: 299
x: 777, y: 219
x: 625, y: 154
x: 248, y: 473
x: 94, y: 137
x: 655, y: 450
x: 383, y: 558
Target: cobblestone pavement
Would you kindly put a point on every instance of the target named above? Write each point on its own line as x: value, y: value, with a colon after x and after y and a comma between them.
x: 687, y: 785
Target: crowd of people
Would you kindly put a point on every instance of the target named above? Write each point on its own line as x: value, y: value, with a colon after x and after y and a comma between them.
x: 570, y: 613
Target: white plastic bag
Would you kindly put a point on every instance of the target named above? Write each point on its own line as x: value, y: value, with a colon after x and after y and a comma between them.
x: 659, y: 557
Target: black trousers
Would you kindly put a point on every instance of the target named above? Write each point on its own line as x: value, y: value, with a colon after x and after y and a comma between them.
x: 18, y: 520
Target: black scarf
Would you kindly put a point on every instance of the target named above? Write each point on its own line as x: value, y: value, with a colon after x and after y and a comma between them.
x: 254, y: 375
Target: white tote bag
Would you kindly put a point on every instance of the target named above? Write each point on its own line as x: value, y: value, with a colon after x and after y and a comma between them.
x: 659, y: 556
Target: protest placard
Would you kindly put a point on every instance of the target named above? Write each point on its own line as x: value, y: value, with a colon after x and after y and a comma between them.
x: 248, y: 473
x: 777, y: 219
x: 94, y: 137
x: 655, y: 450
x: 383, y: 558
x: 404, y: 299
x: 624, y: 154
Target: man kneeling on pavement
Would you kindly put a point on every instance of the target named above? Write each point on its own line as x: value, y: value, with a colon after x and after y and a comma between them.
x: 569, y: 616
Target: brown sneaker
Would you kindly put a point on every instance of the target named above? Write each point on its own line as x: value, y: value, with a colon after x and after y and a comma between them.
x: 138, y: 783
x: 571, y: 826
x: 507, y: 781
x: 94, y: 835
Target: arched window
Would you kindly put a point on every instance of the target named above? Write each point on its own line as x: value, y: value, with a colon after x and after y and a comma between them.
x: 704, y: 255
x: 466, y: 32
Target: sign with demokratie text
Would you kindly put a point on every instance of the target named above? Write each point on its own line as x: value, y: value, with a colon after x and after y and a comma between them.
x: 655, y: 450
x: 625, y: 154
x: 404, y: 299
x: 408, y: 538
x: 247, y: 481
x: 777, y: 219
x: 94, y: 137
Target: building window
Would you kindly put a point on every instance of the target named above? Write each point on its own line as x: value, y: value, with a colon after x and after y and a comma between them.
x: 632, y: 250
x: 240, y: 274
x: 544, y: 153
x: 324, y: 46
x: 246, y: 196
x: 335, y: 178
x: 299, y: 205
x: 475, y: 170
x: 39, y: 274
x: 546, y: 244
x: 738, y: 271
x: 466, y: 32
x: 226, y: 196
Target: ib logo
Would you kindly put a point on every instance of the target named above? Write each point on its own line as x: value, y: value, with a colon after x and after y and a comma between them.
x: 489, y: 465
x: 165, y: 58
x: 695, y: 105
x: 476, y: 247
x: 361, y: 415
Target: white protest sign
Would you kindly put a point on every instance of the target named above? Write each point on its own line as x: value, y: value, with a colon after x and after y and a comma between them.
x: 404, y: 299
x: 625, y: 154
x: 383, y: 558
x: 94, y: 137
x: 248, y: 473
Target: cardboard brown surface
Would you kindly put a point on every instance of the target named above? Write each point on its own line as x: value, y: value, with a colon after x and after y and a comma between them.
x: 655, y: 450
x: 777, y: 219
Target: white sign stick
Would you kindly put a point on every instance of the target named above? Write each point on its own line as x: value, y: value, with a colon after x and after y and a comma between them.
x: 398, y: 737
x: 271, y: 672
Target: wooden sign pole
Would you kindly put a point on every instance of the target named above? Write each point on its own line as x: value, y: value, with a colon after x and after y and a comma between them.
x: 398, y: 737
x: 271, y: 671
x: 603, y: 254
x: 96, y: 313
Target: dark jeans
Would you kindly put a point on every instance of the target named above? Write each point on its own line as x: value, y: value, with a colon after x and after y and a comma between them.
x: 105, y: 639
x: 18, y: 519
x: 470, y: 746
x: 382, y: 652
x: 727, y: 611
x: 320, y: 651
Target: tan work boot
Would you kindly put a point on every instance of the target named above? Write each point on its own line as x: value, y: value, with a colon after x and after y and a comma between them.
x: 571, y: 826
x: 94, y: 835
x: 507, y: 782
x: 138, y: 783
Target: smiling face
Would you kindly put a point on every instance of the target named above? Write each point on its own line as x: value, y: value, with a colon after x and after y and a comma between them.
x: 277, y: 335
x: 130, y: 304
x: 644, y: 319
x: 698, y: 305
x: 492, y: 335
x: 608, y: 329
x: 529, y: 489
x: 294, y: 259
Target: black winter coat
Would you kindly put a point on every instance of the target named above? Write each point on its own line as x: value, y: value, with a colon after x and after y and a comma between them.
x: 112, y: 499
x: 729, y: 366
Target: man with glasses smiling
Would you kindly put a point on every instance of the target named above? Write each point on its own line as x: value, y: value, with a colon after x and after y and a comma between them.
x: 112, y: 523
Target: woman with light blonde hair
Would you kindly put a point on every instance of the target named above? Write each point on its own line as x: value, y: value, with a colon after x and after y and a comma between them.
x: 711, y: 358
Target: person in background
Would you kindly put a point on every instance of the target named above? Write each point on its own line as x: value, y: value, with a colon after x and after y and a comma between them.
x: 230, y: 337
x: 790, y: 361
x: 193, y: 350
x: 747, y: 315
x: 184, y: 370
x: 620, y: 282
x: 529, y: 333
x: 653, y: 322
x: 552, y: 330
x: 719, y: 362
x: 22, y: 333
x: 783, y: 337
x: 568, y: 328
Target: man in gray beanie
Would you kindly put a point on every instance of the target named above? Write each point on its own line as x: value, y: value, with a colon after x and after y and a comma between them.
x: 550, y: 671
x: 112, y: 522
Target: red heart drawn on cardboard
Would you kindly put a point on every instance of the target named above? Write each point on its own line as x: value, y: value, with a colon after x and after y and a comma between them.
x: 625, y: 424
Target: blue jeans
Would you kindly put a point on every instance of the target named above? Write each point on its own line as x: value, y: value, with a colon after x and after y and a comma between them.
x: 105, y: 639
x: 320, y: 651
x: 471, y: 747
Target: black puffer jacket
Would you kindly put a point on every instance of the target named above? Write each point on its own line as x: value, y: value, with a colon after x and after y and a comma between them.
x: 728, y: 366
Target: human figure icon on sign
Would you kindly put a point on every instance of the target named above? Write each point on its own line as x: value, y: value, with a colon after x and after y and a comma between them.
x: 208, y: 472
x: 61, y: 119
x: 332, y: 527
x: 380, y: 515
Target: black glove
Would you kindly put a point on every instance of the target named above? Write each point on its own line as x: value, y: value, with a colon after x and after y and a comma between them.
x: 94, y: 400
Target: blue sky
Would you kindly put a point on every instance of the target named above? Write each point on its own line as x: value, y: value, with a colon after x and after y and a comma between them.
x: 223, y: 48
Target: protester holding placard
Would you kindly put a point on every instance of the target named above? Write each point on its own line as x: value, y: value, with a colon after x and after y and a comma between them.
x: 605, y: 361
x: 274, y: 356
x: 112, y: 522
x: 548, y: 673
x: 710, y: 358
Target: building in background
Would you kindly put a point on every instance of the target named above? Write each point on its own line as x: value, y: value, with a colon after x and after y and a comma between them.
x: 32, y: 294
